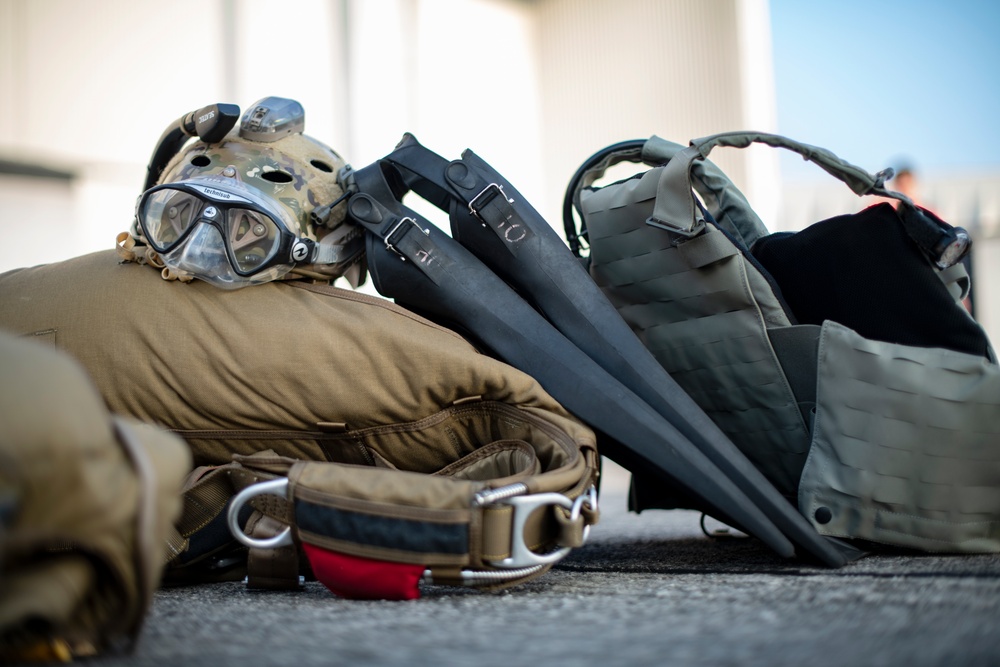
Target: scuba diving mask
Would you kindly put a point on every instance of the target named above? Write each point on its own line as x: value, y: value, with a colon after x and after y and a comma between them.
x: 220, y: 232
x: 243, y: 207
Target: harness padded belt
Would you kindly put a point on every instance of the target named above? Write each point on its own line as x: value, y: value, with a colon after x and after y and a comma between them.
x: 493, y: 221
x: 496, y: 517
x: 421, y: 267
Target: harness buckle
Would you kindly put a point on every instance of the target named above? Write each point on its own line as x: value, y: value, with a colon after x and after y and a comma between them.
x: 485, y: 197
x: 389, y: 245
x: 521, y: 555
x: 276, y: 487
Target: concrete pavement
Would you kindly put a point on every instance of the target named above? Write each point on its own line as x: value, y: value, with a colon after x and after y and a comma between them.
x: 647, y: 589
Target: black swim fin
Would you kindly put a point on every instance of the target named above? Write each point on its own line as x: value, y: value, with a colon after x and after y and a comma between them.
x: 418, y: 265
x: 495, y: 222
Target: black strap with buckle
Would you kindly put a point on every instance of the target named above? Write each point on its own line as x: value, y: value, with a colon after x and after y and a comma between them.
x: 943, y: 244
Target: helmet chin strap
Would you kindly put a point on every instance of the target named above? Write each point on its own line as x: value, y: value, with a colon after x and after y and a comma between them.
x: 128, y: 251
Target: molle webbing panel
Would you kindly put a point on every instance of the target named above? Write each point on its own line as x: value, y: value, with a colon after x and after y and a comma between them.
x: 703, y: 311
x: 905, y: 446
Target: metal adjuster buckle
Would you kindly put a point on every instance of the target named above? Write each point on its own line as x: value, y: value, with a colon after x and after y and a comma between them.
x: 687, y: 233
x: 389, y: 245
x: 484, y: 197
x: 521, y: 554
x: 951, y: 248
x: 275, y: 487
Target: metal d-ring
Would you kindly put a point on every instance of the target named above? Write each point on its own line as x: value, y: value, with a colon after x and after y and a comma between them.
x: 275, y: 487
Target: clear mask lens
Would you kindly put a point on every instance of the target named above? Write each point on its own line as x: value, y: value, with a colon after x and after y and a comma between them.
x: 253, y: 237
x: 168, y: 214
x: 203, y: 255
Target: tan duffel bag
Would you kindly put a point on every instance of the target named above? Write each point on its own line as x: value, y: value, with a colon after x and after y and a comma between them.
x: 291, y: 372
x: 86, y: 504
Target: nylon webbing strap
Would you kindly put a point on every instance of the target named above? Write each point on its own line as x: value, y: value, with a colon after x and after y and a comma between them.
x: 271, y: 569
x: 675, y: 208
x: 200, y: 531
x: 408, y: 517
x: 451, y: 184
x: 403, y: 231
x: 205, y: 496
x: 856, y: 178
x: 209, y: 489
x: 424, y: 535
x: 496, y: 531
x: 490, y: 204
x: 956, y: 279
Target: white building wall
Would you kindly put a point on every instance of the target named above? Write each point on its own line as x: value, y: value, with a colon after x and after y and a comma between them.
x: 533, y: 86
x: 89, y: 86
x: 614, y: 70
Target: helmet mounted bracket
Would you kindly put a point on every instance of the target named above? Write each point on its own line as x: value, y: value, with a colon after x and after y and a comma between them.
x: 210, y: 124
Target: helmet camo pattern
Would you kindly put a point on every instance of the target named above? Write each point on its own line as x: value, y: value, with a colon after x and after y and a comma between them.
x: 296, y: 171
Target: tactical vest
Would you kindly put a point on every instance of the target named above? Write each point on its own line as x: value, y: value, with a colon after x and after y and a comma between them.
x: 839, y: 359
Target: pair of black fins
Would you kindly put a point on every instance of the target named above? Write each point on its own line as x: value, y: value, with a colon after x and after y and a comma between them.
x: 508, y: 281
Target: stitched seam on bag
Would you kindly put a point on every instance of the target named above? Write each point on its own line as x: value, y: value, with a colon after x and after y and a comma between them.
x: 247, y: 434
x: 338, y: 293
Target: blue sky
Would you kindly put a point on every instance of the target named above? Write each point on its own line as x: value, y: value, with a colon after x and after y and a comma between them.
x: 883, y: 81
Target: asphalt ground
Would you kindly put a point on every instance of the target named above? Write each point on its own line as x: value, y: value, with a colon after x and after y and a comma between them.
x: 647, y: 589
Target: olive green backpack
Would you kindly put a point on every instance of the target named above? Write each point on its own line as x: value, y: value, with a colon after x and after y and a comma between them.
x: 839, y: 359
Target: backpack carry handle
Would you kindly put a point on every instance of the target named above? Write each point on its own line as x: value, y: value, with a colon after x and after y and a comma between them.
x: 728, y: 206
x: 677, y: 211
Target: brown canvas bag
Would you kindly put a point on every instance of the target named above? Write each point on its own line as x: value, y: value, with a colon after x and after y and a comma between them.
x: 292, y: 372
x: 86, y: 504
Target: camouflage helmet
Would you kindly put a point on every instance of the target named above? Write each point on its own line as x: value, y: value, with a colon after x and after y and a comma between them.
x: 268, y: 155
